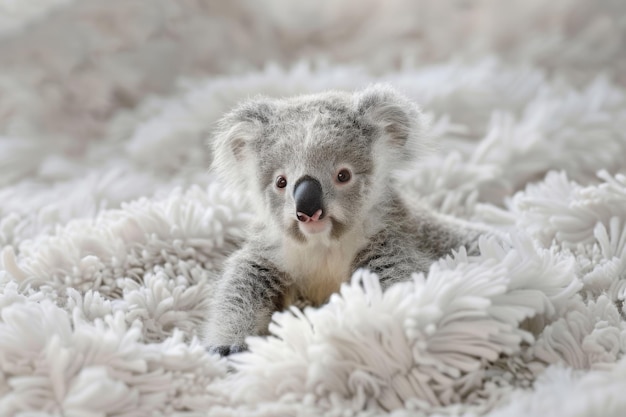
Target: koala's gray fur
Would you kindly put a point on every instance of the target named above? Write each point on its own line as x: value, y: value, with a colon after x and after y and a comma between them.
x: 364, y: 222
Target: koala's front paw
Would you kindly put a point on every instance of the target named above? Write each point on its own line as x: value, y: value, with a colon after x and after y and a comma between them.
x: 225, y: 350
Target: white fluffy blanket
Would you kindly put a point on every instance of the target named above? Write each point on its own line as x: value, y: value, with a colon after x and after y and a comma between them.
x: 112, y: 228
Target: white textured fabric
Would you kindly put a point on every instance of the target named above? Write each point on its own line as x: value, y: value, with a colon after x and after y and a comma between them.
x: 112, y: 229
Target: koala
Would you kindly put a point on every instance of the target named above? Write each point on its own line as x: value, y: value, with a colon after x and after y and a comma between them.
x: 319, y: 171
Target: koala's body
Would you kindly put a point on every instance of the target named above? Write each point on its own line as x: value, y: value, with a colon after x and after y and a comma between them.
x: 319, y: 172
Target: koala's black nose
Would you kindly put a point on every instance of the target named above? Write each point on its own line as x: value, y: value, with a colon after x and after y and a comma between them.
x: 308, y: 196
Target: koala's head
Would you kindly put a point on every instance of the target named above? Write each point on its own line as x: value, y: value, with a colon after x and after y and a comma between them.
x: 318, y: 163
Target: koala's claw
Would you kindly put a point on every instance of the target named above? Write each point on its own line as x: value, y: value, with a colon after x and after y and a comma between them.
x: 225, y: 350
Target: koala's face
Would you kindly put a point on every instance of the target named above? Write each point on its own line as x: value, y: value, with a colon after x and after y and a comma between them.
x: 316, y: 172
x: 318, y: 163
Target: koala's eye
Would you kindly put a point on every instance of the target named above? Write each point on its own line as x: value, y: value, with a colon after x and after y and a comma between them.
x: 281, y: 182
x: 344, y: 175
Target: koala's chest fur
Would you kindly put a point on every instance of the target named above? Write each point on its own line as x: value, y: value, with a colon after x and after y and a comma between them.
x: 320, y: 267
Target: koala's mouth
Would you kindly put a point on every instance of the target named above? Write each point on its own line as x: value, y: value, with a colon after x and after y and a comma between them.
x: 302, y: 231
x: 315, y: 227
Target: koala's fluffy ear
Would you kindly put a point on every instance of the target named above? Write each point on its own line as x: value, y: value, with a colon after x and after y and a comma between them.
x: 234, y: 143
x: 400, y: 120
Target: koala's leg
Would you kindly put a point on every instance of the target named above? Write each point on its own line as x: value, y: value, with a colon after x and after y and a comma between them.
x: 414, y: 242
x: 249, y: 291
x: 392, y: 258
x: 441, y: 234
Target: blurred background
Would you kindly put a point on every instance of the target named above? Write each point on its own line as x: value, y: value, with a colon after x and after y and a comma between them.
x: 69, y: 65
x: 103, y: 102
